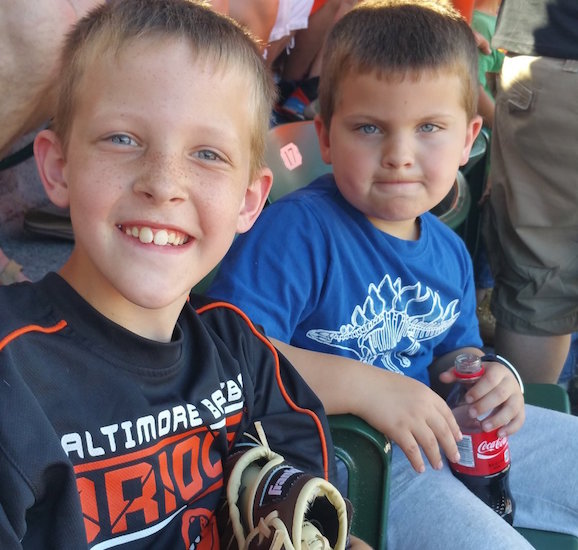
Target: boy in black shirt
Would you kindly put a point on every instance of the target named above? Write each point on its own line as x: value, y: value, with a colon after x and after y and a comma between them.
x: 120, y: 398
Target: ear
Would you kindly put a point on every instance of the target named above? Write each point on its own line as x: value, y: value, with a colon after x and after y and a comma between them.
x: 51, y: 162
x: 474, y: 127
x: 255, y: 198
x: 323, y: 138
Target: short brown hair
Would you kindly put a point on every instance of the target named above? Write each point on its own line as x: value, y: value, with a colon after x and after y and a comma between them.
x: 398, y: 39
x: 212, y: 36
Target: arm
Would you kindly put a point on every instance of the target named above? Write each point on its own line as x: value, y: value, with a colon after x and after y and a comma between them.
x: 482, y: 42
x: 405, y: 410
x: 30, y: 41
x: 498, y: 389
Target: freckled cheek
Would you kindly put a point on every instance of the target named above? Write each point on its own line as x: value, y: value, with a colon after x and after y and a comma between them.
x: 92, y: 194
x: 216, y: 208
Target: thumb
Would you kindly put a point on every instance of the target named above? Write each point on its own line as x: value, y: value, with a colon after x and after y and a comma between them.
x: 448, y: 376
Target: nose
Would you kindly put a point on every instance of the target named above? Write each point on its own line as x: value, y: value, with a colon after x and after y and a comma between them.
x: 163, y: 179
x: 397, y: 151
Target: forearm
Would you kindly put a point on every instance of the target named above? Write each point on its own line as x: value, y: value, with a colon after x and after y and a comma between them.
x: 31, y: 35
x: 350, y: 379
x: 405, y: 410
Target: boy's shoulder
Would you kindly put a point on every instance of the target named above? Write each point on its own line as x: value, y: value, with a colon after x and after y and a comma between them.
x: 441, y: 230
x: 443, y: 239
x: 211, y: 308
x: 443, y: 226
x: 225, y: 320
x: 320, y: 189
x: 23, y: 307
x: 320, y: 199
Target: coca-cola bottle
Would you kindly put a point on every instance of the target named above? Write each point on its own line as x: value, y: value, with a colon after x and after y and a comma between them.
x: 484, y: 463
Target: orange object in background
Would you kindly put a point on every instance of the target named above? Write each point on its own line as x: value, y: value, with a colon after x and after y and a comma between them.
x: 465, y: 7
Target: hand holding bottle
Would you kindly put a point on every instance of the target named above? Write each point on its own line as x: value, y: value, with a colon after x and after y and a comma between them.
x: 496, y: 396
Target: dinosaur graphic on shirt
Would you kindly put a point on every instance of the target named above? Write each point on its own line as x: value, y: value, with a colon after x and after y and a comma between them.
x: 391, y: 323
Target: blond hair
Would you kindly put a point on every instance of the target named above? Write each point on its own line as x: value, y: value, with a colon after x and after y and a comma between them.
x: 214, y: 38
x: 396, y: 39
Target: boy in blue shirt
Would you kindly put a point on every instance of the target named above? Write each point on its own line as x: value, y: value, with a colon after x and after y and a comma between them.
x: 355, y: 265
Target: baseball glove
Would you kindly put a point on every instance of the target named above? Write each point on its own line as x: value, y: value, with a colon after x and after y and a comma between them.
x: 270, y: 505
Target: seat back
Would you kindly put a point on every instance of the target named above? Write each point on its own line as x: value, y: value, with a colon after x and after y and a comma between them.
x: 455, y: 207
x: 367, y: 456
x: 292, y: 152
x: 549, y: 396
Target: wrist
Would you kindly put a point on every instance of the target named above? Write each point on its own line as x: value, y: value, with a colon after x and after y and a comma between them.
x: 503, y: 361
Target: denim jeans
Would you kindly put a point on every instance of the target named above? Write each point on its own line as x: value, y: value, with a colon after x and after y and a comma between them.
x: 434, y: 510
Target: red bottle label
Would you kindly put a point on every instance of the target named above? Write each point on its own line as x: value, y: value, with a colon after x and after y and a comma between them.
x: 482, y: 454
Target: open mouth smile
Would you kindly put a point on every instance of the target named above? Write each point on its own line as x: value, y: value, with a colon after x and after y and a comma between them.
x: 159, y: 237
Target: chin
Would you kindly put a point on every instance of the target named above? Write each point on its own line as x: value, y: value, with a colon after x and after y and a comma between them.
x: 155, y: 297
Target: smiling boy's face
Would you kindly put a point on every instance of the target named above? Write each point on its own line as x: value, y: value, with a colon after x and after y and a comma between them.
x: 396, y: 145
x: 157, y: 174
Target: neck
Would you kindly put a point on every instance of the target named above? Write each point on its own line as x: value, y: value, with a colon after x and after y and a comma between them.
x: 407, y: 230
x: 152, y: 323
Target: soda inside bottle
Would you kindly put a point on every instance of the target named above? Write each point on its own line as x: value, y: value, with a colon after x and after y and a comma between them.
x: 484, y: 456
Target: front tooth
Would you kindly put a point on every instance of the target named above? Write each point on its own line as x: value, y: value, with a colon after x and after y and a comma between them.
x: 161, y: 237
x: 146, y: 235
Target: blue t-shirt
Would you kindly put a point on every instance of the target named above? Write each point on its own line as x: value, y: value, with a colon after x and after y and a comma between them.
x: 315, y: 273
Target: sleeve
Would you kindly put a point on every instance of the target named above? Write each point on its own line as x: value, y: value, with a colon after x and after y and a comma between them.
x: 39, y: 500
x: 276, y: 271
x: 290, y: 414
x: 28, y: 521
x: 12, y: 511
x: 292, y: 417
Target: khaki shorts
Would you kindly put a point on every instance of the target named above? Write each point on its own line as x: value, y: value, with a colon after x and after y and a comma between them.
x: 531, y: 227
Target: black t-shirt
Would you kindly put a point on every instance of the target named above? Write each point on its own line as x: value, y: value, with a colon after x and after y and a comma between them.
x: 538, y: 27
x: 109, y: 437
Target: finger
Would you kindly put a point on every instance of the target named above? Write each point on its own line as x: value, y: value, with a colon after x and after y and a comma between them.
x: 430, y: 446
x: 490, y: 402
x: 481, y: 388
x: 500, y: 389
x: 451, y: 422
x: 510, y: 414
x: 447, y: 376
x: 493, y: 385
x: 412, y: 451
x: 513, y: 426
x: 447, y: 432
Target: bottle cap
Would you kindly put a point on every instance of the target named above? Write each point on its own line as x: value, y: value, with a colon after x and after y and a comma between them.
x: 468, y: 365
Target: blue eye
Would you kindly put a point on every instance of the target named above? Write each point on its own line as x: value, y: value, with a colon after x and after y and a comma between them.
x: 207, y: 154
x: 369, y: 129
x: 122, y: 139
x: 428, y: 128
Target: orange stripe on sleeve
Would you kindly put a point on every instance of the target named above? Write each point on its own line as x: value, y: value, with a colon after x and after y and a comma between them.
x: 284, y: 393
x: 31, y: 328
